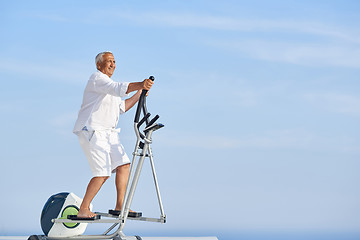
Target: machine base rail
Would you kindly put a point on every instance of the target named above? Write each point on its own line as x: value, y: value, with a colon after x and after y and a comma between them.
x: 112, y: 219
x: 43, y: 237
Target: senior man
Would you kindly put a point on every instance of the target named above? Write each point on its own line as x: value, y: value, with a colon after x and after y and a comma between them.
x: 96, y: 128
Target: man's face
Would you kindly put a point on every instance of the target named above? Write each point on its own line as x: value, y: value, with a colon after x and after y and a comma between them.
x: 107, y: 65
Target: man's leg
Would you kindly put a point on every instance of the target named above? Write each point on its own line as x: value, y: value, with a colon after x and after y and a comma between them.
x: 92, y: 189
x: 122, y: 175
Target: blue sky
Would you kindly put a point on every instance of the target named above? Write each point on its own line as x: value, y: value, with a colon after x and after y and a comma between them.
x: 260, y: 101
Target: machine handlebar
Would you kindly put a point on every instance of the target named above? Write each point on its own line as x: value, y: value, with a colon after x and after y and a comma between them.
x: 153, y: 121
x: 143, y: 119
x: 150, y: 124
x: 141, y: 103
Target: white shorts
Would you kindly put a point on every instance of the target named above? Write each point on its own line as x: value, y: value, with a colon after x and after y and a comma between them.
x: 103, y: 151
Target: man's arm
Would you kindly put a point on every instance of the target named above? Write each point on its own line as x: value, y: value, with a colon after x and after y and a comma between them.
x: 135, y: 86
x: 130, y: 102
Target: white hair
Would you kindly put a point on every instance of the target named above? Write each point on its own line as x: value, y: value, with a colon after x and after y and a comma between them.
x: 99, y: 57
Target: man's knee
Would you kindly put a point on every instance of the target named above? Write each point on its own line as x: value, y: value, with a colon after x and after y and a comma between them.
x: 124, y: 167
x: 102, y: 178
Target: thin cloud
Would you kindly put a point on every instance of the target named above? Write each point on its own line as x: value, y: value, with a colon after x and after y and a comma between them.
x: 294, y: 139
x: 335, y: 102
x: 63, y: 123
x: 64, y: 72
x: 237, y: 24
x: 307, y: 54
x: 64, y: 120
x: 325, y: 45
x: 192, y: 20
x: 51, y: 17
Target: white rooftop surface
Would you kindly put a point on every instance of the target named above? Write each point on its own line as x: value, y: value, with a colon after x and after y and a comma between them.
x: 127, y: 238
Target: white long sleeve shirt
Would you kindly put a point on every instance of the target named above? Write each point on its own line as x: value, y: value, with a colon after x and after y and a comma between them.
x: 102, y: 103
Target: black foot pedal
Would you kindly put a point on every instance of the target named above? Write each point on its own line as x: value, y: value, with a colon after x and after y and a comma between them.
x: 75, y: 217
x: 131, y: 214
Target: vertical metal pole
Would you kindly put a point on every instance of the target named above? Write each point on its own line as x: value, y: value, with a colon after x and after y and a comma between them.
x: 135, y: 180
x: 156, y: 183
x: 131, y: 170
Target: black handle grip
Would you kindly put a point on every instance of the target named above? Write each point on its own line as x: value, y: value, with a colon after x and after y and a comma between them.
x: 141, y: 102
x: 143, y: 119
x: 145, y: 91
x: 153, y: 120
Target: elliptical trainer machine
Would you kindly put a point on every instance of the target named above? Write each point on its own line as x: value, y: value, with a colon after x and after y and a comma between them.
x: 56, y: 217
x: 56, y: 222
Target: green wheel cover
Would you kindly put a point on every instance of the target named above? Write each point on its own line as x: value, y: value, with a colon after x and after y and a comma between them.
x: 70, y: 210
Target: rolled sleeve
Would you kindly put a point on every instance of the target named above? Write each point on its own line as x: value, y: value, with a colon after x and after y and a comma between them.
x: 105, y: 85
x: 122, y: 107
x: 123, y: 89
